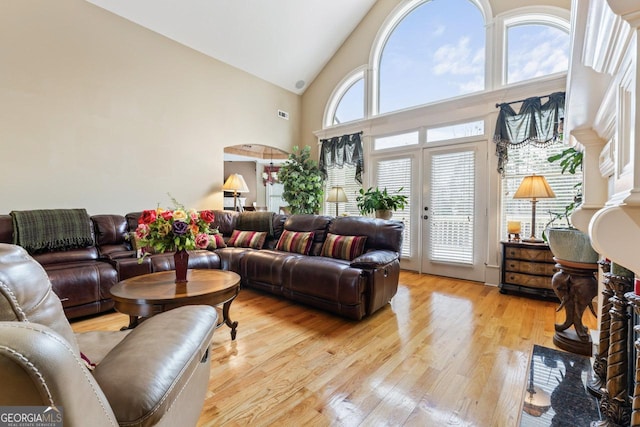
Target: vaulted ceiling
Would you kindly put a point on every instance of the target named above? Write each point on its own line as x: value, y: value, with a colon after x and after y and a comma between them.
x: 285, y: 42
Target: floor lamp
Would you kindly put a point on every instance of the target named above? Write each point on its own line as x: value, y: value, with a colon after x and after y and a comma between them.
x: 337, y: 195
x: 534, y: 187
x: 237, y: 184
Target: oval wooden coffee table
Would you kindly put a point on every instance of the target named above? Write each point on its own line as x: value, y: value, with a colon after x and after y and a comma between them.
x: 149, y: 294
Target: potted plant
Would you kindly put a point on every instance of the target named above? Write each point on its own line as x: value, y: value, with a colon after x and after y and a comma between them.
x: 569, y: 243
x: 303, y: 186
x: 380, y: 202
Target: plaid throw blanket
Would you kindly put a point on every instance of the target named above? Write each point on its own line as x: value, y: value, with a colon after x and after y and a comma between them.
x: 256, y: 221
x: 52, y: 229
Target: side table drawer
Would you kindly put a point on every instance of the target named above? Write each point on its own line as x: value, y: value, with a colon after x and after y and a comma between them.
x: 529, y: 267
x: 528, y: 254
x: 527, y: 280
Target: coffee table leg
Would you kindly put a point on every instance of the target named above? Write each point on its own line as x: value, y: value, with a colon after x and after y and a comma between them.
x: 227, y: 321
x: 133, y: 322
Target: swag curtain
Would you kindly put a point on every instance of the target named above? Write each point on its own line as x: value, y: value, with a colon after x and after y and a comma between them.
x: 337, y: 151
x: 535, y: 123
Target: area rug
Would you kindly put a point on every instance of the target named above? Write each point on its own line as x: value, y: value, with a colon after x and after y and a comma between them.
x: 555, y: 393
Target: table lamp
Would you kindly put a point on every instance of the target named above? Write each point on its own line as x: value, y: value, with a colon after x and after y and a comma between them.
x: 237, y: 184
x: 337, y: 195
x: 534, y: 187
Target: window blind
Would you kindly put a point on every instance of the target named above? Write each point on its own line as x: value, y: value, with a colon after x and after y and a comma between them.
x: 451, y: 217
x: 525, y: 161
x: 343, y: 177
x: 395, y: 174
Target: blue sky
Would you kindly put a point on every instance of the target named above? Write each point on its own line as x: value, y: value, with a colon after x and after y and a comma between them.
x: 438, y: 52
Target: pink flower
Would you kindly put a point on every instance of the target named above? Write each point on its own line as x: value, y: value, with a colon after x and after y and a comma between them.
x: 167, y: 215
x: 202, y: 240
x: 142, y: 231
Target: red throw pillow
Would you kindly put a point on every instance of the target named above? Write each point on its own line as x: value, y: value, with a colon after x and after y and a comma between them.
x: 343, y: 247
x: 247, y: 239
x: 295, y: 241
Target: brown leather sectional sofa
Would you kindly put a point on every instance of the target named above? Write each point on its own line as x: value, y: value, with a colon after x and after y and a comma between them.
x: 353, y: 289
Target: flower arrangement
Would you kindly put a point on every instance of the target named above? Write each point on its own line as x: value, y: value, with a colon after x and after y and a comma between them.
x: 178, y: 229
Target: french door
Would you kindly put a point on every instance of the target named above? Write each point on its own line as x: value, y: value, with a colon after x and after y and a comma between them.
x: 454, y: 223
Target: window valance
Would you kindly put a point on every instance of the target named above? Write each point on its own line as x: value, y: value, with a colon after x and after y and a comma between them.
x: 535, y: 123
x: 337, y: 151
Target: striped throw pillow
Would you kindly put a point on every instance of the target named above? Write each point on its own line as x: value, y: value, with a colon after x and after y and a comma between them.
x: 295, y: 241
x: 343, y: 247
x: 216, y: 241
x: 247, y: 239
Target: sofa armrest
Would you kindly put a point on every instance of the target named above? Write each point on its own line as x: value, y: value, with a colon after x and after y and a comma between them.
x: 145, y: 373
x: 374, y: 259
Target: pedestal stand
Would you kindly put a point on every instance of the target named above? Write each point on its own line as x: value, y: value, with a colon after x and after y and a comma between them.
x: 575, y: 285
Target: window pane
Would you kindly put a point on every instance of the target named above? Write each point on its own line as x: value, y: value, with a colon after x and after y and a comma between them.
x: 436, y: 52
x: 452, y: 201
x: 344, y: 177
x: 525, y: 161
x: 394, y: 175
x: 535, y: 51
x: 459, y: 130
x: 351, y: 105
x: 394, y: 141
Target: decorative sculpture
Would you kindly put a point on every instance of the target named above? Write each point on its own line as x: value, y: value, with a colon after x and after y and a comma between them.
x: 598, y: 379
x: 575, y: 285
x: 614, y: 404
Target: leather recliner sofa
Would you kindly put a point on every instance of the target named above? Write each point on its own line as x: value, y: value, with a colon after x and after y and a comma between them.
x: 83, y: 277
x: 157, y: 374
x: 352, y: 288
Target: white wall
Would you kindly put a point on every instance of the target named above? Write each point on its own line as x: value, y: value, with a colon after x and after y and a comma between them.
x: 100, y: 113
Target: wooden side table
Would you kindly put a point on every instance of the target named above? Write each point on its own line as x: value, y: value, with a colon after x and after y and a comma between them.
x: 527, y: 268
x: 150, y: 294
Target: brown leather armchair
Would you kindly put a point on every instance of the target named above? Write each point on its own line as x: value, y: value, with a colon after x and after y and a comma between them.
x: 156, y: 374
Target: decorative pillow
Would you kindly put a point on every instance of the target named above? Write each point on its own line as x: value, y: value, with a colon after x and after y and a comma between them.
x: 247, y: 239
x: 343, y: 247
x: 295, y: 241
x: 216, y: 241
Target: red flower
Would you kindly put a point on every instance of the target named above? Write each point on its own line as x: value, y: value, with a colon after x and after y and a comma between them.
x: 207, y: 216
x: 167, y: 215
x: 147, y: 217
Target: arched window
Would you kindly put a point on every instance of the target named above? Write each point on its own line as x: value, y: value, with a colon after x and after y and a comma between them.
x: 436, y: 51
x: 347, y: 102
x: 536, y: 48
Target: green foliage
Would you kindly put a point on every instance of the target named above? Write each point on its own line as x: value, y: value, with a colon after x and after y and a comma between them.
x: 303, y: 184
x: 373, y: 200
x: 570, y: 161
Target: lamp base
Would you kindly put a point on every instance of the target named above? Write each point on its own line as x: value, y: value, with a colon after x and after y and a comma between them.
x: 532, y: 239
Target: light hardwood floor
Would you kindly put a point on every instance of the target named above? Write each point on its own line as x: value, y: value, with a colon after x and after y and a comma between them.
x: 445, y: 352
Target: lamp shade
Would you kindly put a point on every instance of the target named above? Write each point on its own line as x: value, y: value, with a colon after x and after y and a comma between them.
x: 337, y: 195
x: 235, y: 183
x: 534, y: 187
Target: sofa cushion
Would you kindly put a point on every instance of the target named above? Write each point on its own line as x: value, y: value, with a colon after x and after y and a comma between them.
x: 295, y: 241
x: 216, y: 241
x: 306, y: 222
x: 343, y: 247
x: 381, y: 234
x: 247, y: 239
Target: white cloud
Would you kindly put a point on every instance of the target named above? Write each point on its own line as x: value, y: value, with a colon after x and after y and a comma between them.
x: 538, y: 54
x: 458, y: 59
